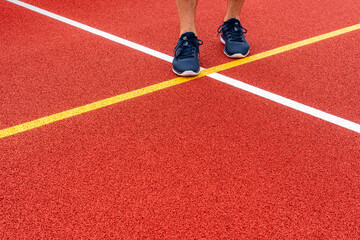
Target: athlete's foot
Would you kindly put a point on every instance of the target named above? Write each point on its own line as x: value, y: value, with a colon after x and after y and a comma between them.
x: 186, y: 59
x: 232, y: 35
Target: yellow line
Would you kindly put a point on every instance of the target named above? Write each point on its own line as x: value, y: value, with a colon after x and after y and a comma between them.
x: 156, y: 87
x: 92, y: 106
x: 282, y: 49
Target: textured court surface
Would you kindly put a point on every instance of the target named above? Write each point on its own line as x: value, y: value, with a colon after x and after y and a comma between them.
x: 197, y: 160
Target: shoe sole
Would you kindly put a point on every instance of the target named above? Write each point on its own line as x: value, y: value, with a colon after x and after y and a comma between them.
x: 236, y: 55
x: 188, y: 73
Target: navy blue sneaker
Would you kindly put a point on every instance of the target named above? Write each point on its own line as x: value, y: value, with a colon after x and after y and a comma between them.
x: 186, y: 59
x: 232, y: 35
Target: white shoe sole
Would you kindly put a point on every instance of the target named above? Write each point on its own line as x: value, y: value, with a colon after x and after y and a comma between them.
x: 186, y: 73
x: 236, y: 55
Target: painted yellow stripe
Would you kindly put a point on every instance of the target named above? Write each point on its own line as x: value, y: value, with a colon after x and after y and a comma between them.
x: 156, y: 87
x: 92, y: 106
x: 282, y: 49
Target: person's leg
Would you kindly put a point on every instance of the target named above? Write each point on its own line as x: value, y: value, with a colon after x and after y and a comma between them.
x: 186, y: 10
x: 233, y: 9
x: 186, y: 59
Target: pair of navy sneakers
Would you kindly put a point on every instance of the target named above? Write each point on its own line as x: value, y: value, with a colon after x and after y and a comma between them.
x: 186, y: 59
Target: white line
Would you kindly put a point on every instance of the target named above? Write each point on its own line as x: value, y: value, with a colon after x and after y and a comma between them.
x: 233, y: 82
x: 95, y: 31
x: 288, y: 102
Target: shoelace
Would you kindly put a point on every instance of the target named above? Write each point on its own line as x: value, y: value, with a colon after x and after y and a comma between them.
x: 233, y: 31
x: 188, y: 47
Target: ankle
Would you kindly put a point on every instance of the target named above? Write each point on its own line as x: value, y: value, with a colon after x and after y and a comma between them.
x: 185, y: 30
x: 227, y: 17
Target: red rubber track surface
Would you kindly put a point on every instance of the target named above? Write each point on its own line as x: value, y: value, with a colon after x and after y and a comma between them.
x: 323, y: 75
x: 49, y: 67
x: 200, y: 160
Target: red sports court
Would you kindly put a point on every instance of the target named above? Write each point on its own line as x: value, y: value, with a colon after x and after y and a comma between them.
x: 100, y: 140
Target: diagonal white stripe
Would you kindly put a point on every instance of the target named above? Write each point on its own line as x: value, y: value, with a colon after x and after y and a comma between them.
x: 222, y: 78
x: 95, y: 31
x: 288, y: 102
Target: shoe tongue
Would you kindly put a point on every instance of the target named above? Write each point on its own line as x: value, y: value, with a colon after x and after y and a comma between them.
x: 188, y: 35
